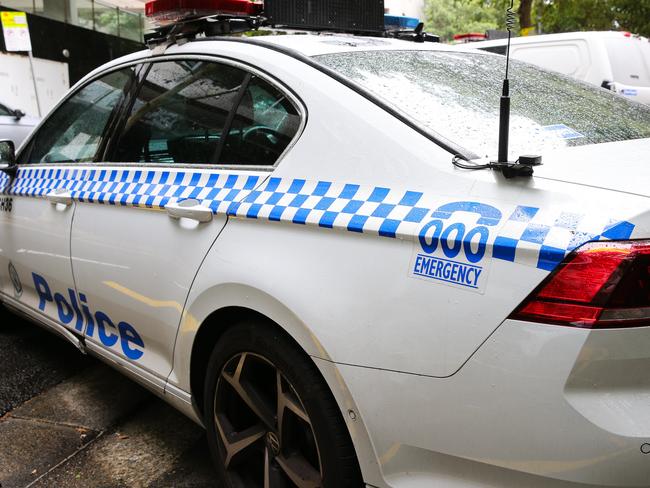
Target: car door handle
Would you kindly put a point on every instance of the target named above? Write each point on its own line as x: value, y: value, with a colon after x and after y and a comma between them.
x: 189, y: 209
x: 60, y: 197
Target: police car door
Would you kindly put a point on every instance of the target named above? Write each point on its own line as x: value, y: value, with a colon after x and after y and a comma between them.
x: 199, y: 137
x: 35, y: 222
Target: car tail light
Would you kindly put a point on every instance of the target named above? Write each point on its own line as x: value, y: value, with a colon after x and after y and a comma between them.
x: 599, y: 285
x: 163, y: 11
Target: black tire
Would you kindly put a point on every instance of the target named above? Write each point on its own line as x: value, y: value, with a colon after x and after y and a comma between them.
x: 311, y: 434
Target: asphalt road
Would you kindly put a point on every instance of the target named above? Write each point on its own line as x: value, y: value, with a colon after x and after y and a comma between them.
x: 67, y: 420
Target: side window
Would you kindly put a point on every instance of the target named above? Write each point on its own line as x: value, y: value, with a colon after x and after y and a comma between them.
x: 180, y: 113
x: 264, y: 125
x: 74, y: 132
x: 4, y: 110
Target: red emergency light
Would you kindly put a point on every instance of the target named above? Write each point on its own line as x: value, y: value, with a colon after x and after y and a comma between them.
x: 469, y: 37
x: 164, y: 11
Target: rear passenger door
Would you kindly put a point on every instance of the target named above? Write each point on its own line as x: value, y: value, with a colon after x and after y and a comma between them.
x: 198, y: 137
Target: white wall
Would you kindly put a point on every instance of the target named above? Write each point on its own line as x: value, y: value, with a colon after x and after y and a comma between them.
x: 411, y: 8
x: 17, y: 87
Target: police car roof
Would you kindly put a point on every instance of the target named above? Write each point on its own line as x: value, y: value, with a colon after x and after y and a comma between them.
x: 317, y: 43
x: 305, y: 43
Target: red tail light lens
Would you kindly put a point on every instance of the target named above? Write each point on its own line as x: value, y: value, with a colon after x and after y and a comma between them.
x: 174, y: 10
x: 599, y: 285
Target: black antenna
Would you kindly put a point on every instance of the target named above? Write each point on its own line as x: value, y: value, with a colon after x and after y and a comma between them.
x: 504, y: 116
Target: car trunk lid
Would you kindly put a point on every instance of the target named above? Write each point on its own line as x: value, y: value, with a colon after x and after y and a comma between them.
x: 619, y: 166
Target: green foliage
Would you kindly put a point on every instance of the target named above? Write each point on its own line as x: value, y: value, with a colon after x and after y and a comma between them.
x: 448, y: 17
x: 634, y: 15
x: 576, y: 15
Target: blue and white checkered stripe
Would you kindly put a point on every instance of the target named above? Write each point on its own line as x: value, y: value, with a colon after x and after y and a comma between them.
x: 138, y: 188
x: 530, y: 236
x: 541, y: 238
x: 362, y: 209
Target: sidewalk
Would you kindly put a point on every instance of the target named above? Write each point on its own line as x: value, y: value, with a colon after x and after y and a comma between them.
x: 95, y: 429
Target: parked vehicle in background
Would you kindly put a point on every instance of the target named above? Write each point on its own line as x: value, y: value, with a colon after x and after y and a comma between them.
x: 619, y: 61
x: 15, y: 125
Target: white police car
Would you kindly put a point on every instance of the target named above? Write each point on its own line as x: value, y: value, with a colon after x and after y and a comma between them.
x: 269, y: 233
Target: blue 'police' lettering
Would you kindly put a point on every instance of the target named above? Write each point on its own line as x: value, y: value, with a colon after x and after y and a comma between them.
x: 129, y: 336
x: 66, y: 314
x: 43, y: 291
x: 131, y: 343
x: 103, y: 323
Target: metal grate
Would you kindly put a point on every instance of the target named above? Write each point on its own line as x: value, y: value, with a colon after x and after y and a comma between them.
x: 336, y: 15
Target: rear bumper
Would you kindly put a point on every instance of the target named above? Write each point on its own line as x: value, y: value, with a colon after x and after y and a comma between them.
x: 536, y: 405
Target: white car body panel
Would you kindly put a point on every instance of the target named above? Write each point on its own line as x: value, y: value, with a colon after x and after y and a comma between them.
x: 133, y: 274
x: 35, y: 237
x: 436, y: 386
x: 575, y: 424
x: 585, y: 56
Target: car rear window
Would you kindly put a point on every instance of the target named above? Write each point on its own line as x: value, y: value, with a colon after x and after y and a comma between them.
x: 456, y: 96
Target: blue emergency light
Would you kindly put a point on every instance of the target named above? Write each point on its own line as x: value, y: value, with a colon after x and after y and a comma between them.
x: 400, y: 22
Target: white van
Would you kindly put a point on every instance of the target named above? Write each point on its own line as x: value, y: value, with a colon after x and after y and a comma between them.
x: 619, y: 61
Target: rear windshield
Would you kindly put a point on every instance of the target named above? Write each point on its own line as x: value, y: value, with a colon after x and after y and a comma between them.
x: 456, y: 95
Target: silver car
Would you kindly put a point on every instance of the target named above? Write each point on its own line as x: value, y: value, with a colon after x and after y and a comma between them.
x: 15, y: 124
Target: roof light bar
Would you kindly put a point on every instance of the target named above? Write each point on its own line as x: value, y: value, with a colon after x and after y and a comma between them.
x: 400, y: 22
x: 186, y: 19
x: 167, y: 11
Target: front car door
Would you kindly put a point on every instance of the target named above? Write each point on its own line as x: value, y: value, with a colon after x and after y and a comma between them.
x: 35, y: 267
x: 198, y: 137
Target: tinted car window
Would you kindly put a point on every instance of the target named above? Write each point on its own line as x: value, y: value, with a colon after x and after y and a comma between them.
x: 74, y: 132
x: 264, y: 125
x: 456, y: 95
x: 4, y: 110
x: 180, y: 113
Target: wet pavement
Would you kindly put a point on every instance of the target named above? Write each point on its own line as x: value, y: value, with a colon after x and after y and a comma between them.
x: 67, y: 420
x: 32, y: 361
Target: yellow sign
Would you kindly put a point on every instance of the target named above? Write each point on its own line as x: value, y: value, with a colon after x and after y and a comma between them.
x: 527, y: 31
x: 13, y: 19
x: 16, y: 31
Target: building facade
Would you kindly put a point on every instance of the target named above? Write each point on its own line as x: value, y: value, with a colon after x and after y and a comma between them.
x: 411, y: 8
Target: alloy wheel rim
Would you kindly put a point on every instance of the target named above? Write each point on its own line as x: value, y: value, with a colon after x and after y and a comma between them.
x: 265, y: 436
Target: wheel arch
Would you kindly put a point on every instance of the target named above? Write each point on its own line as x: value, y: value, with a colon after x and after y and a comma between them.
x: 208, y: 314
x: 222, y: 307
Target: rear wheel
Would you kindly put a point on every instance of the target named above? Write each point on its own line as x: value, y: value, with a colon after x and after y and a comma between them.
x: 271, y: 420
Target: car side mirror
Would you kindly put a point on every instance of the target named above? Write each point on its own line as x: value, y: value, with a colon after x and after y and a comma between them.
x: 8, y: 157
x: 19, y: 114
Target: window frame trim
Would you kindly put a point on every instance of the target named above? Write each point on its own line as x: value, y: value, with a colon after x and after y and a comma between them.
x: 71, y: 93
x: 141, y: 63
